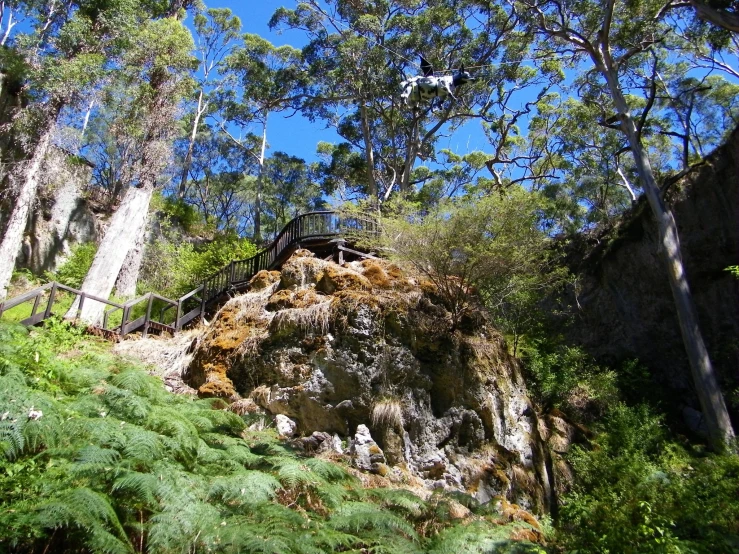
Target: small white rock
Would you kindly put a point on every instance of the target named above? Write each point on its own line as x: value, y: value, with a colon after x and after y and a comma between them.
x: 285, y: 426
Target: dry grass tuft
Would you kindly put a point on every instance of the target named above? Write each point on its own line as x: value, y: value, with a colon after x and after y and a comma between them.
x: 376, y: 274
x: 315, y: 318
x: 387, y: 413
x: 261, y: 395
x: 244, y: 406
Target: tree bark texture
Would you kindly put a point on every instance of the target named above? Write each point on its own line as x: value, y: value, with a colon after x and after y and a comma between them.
x: 704, y: 377
x: 125, y: 285
x: 121, y: 236
x: 13, y: 237
x: 721, y: 18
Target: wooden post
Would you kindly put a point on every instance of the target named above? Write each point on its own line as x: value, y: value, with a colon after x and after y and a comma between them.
x: 52, y: 294
x: 179, y: 313
x: 79, y: 306
x: 145, y: 332
x: 35, y: 304
x: 202, y: 301
x: 124, y: 318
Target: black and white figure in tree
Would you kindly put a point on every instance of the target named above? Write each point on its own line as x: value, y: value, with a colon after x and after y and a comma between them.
x: 428, y: 86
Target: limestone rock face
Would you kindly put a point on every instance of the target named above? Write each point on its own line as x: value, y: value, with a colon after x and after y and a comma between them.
x: 363, y: 352
x: 623, y: 302
x: 364, y: 450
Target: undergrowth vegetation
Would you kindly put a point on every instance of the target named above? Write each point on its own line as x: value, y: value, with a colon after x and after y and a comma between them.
x: 96, y: 456
x: 639, y: 487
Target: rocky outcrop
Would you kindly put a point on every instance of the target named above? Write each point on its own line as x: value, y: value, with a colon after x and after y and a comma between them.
x: 61, y: 218
x: 623, y: 303
x: 366, y: 353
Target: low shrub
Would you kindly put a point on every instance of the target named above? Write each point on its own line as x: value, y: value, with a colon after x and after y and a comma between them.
x: 639, y: 490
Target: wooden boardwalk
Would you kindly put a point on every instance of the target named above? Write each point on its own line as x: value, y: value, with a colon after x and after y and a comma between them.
x: 317, y: 231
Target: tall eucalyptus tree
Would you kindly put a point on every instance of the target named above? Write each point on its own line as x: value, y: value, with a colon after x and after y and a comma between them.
x: 269, y: 79
x: 158, y: 65
x: 358, y: 54
x: 62, y: 57
x: 615, y: 38
x: 215, y: 35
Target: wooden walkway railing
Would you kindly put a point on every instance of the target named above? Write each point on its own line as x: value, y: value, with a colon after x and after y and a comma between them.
x: 303, y: 229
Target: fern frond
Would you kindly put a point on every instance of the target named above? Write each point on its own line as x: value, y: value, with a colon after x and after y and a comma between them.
x: 223, y: 421
x: 125, y: 405
x: 92, y: 460
x: 330, y: 471
x: 89, y: 511
x: 246, y: 487
x: 480, y: 537
x: 179, y: 435
x: 141, y: 446
x: 292, y: 472
x: 182, y: 525
x: 12, y: 441
x: 241, y: 454
x: 201, y: 423
x: 398, y: 500
x: 136, y: 381
x: 394, y: 544
x: 332, y: 494
x: 142, y: 486
x: 361, y: 516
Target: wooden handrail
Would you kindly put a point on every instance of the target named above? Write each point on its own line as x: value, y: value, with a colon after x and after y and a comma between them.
x: 310, y: 225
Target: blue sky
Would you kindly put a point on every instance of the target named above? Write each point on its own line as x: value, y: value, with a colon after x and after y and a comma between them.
x: 296, y: 135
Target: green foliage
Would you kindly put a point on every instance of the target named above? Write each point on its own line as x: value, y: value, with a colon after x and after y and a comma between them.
x: 639, y: 491
x: 96, y: 456
x: 566, y: 378
x: 73, y: 271
x: 176, y: 211
x: 173, y: 266
x: 491, y: 246
x: 734, y: 270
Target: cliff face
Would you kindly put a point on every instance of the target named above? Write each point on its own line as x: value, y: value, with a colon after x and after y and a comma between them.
x: 367, y: 354
x: 624, y: 305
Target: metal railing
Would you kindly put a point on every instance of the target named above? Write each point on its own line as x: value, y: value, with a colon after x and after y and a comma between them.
x: 304, y: 228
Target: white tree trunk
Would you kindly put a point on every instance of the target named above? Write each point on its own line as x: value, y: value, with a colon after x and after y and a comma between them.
x: 13, y: 238
x: 125, y: 285
x: 199, y: 111
x: 126, y: 226
x: 260, y: 182
x: 369, y: 156
x: 704, y: 376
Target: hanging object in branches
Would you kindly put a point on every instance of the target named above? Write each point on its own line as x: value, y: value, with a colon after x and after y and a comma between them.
x: 428, y: 86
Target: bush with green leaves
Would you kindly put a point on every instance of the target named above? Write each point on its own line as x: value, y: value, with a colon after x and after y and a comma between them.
x: 640, y: 491
x: 177, y: 212
x: 492, y: 246
x: 174, y: 266
x: 73, y: 271
x: 96, y: 456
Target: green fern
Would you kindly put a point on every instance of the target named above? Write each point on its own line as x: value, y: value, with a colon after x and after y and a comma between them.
x: 12, y: 441
x: 481, y: 538
x: 244, y: 488
x: 140, y: 486
x: 359, y: 516
x: 137, y: 382
x: 398, y: 500
x: 330, y: 471
x: 87, y: 514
